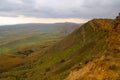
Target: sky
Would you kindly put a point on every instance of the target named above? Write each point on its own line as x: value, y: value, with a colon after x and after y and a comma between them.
x: 52, y: 11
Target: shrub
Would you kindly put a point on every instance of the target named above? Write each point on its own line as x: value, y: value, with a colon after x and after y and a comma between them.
x: 112, y: 67
x: 62, y: 61
x: 48, y: 69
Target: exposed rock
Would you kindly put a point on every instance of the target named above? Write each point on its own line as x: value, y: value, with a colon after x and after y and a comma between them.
x: 98, y: 69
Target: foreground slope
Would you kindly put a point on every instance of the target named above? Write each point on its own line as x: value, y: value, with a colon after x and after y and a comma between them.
x: 107, y: 66
x: 89, y: 53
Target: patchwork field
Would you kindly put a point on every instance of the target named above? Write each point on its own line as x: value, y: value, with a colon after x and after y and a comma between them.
x: 16, y: 37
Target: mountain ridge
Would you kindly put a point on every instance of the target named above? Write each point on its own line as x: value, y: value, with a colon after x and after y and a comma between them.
x: 104, y: 67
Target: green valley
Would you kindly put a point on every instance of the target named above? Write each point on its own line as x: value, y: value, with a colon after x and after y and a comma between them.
x: 15, y: 37
x: 90, y: 52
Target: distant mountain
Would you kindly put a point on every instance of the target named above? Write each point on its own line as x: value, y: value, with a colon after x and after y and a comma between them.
x: 60, y: 27
x: 91, y: 52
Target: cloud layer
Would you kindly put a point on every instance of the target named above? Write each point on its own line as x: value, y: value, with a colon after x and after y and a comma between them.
x: 85, y: 9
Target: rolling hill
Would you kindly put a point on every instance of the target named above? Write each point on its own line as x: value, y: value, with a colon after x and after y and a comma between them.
x: 15, y: 37
x: 91, y: 52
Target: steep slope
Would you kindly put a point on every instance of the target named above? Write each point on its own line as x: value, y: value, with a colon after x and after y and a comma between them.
x: 106, y: 66
x: 82, y: 55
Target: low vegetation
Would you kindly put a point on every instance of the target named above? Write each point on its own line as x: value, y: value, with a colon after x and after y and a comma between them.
x: 90, y: 52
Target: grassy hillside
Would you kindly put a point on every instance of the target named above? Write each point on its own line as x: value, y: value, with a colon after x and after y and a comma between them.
x: 86, y: 51
x: 106, y: 66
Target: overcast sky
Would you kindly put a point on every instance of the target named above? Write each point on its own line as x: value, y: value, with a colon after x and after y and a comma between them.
x: 50, y: 11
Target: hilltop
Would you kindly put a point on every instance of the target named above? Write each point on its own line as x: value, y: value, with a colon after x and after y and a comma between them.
x: 91, y: 52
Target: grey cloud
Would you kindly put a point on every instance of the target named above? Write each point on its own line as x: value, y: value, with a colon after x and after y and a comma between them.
x: 60, y: 8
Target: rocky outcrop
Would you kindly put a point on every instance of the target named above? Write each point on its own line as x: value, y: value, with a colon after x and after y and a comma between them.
x: 114, y: 34
x: 102, y: 68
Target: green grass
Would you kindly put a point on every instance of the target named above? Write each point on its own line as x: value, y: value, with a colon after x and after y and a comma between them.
x: 13, y: 46
x: 71, y: 55
x: 56, y: 62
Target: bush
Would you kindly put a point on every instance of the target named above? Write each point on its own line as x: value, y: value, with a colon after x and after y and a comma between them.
x: 48, y: 69
x: 112, y: 67
x: 62, y: 61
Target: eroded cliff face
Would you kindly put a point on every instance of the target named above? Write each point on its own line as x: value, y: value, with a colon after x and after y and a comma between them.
x: 114, y: 34
x: 106, y: 67
x: 103, y: 68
